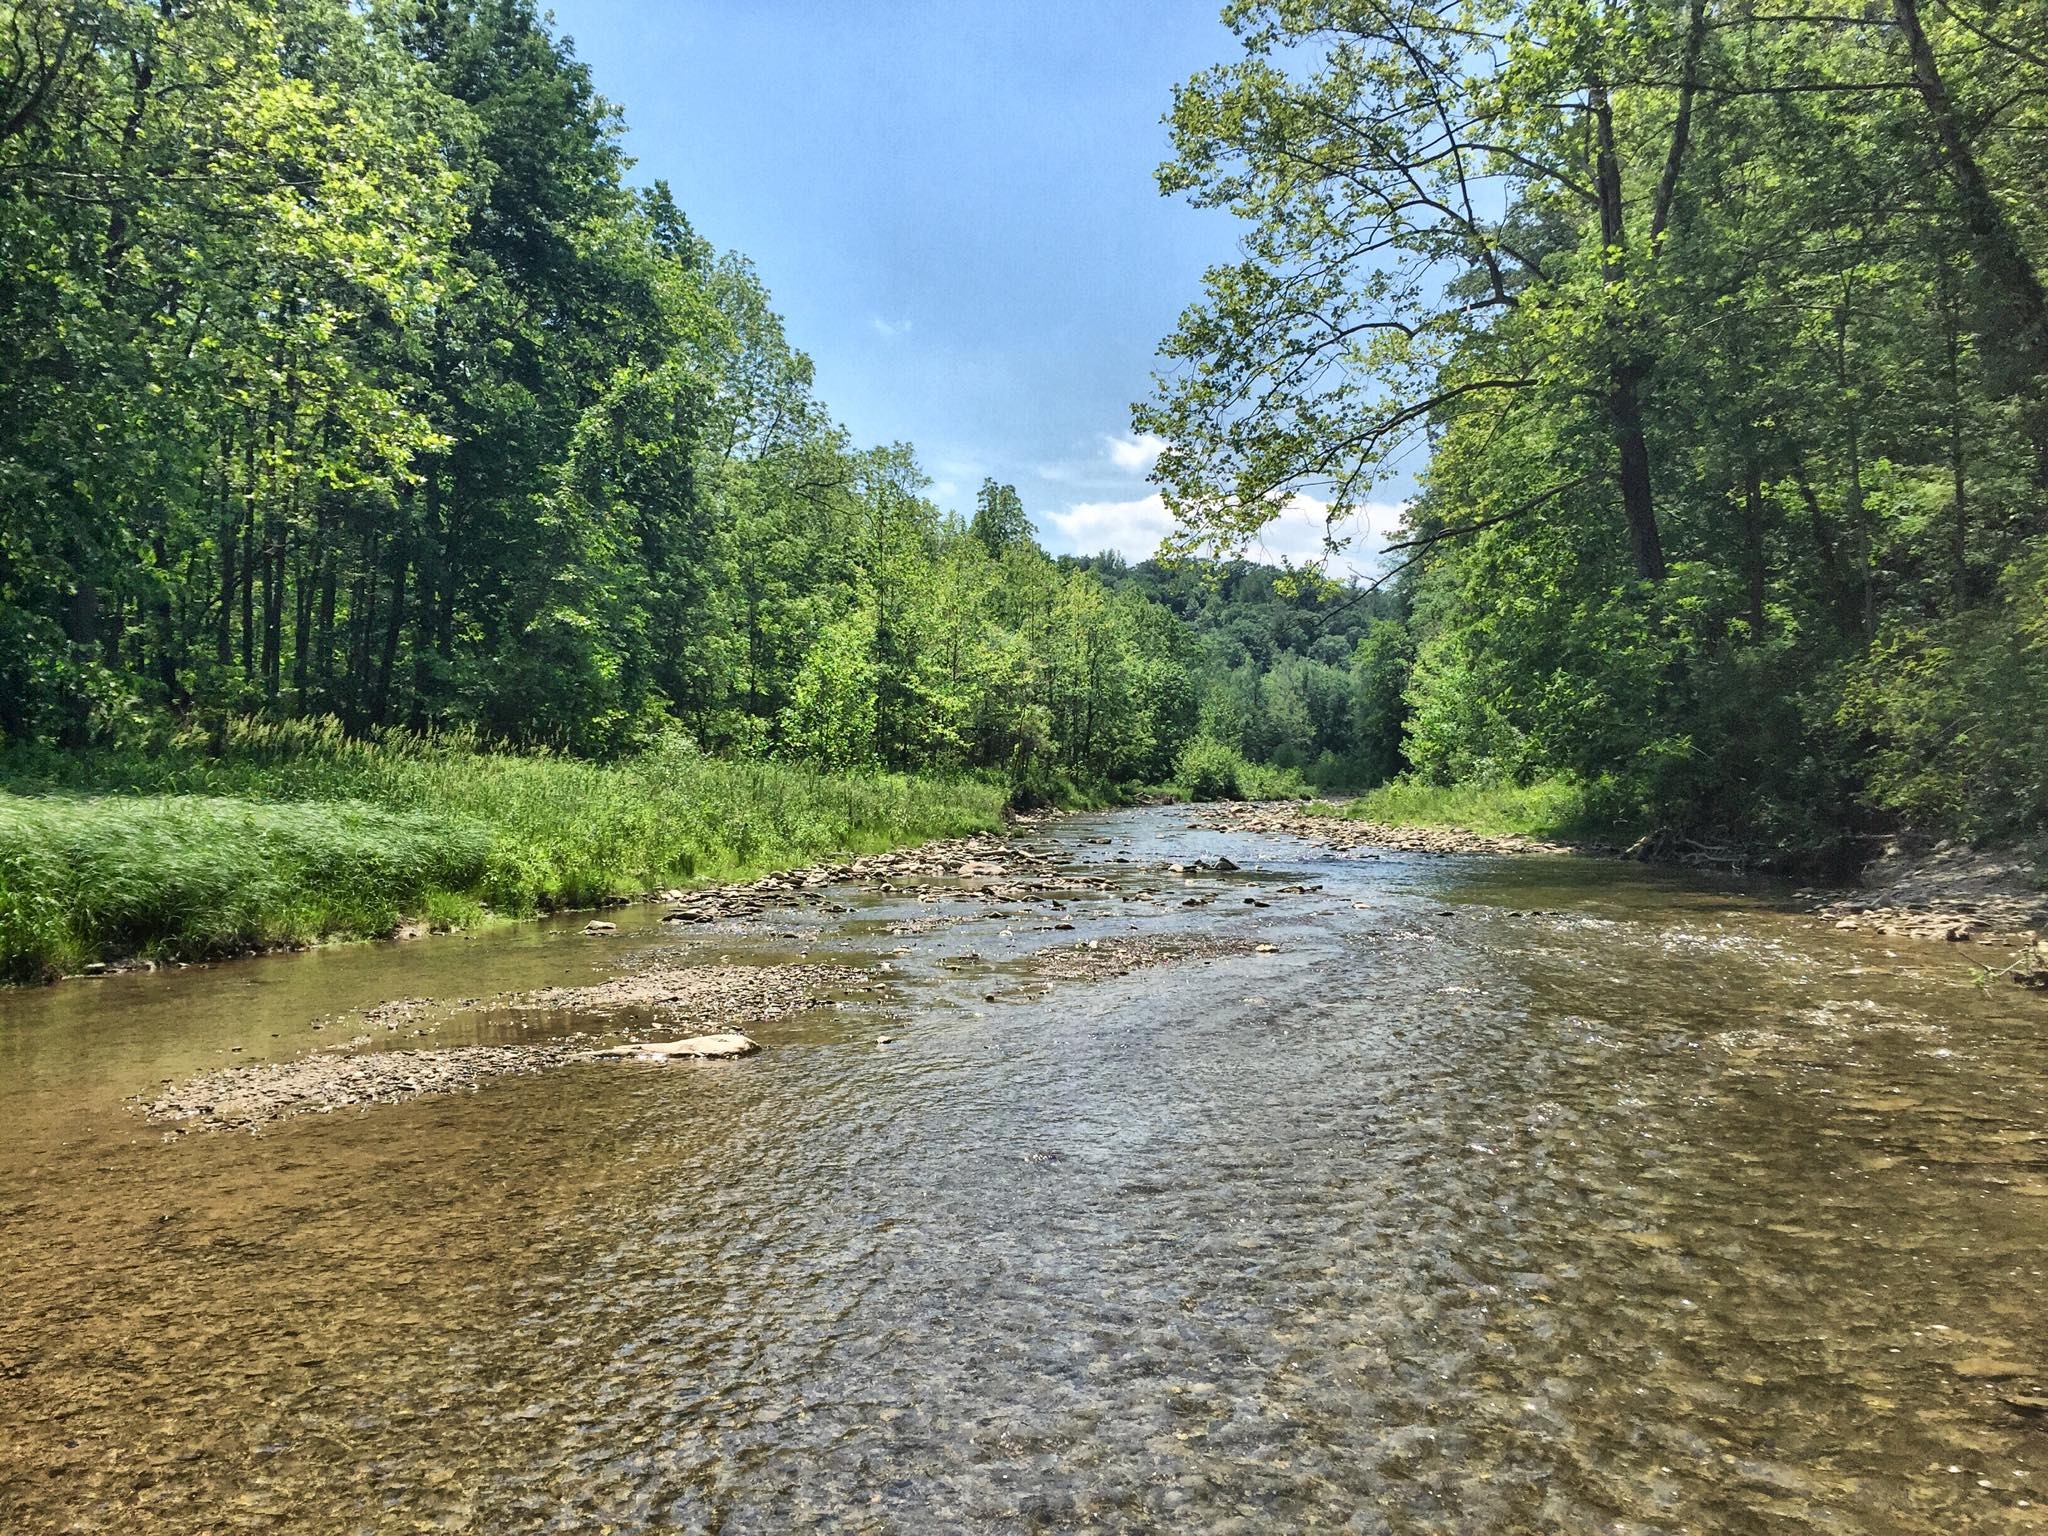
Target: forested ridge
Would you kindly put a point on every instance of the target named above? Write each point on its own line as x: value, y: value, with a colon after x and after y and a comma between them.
x: 347, y: 375
x: 1716, y: 332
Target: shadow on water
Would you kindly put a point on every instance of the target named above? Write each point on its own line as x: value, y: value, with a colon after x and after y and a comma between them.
x: 1506, y: 1195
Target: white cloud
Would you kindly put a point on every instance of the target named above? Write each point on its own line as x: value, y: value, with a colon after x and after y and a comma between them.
x: 1131, y: 528
x: 1134, y: 528
x: 1134, y: 453
x: 889, y: 329
x: 1115, y: 460
x: 945, y: 490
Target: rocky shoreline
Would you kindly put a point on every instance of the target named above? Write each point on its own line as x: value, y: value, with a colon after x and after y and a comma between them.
x: 1960, y: 895
x: 1287, y: 818
x: 1953, y: 893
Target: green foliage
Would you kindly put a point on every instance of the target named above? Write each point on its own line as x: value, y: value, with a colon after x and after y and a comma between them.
x: 1957, y: 712
x: 345, y: 375
x: 300, y: 833
x: 1208, y: 769
x: 199, y: 875
x: 1728, y: 339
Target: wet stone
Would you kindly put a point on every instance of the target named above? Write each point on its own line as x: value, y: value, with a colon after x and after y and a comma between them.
x: 719, y: 1047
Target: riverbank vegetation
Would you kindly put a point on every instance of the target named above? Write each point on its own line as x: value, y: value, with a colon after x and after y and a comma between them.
x: 347, y: 376
x: 288, y: 834
x: 1546, y: 808
x: 1719, y: 344
x: 403, y: 514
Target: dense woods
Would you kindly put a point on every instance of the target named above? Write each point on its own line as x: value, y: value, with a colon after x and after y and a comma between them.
x: 1717, y: 336
x: 346, y: 375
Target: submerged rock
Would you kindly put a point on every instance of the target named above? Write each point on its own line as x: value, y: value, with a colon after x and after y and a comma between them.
x: 1102, y: 959
x: 719, y: 1047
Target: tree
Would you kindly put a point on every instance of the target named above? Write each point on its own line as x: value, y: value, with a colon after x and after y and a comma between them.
x: 999, y: 519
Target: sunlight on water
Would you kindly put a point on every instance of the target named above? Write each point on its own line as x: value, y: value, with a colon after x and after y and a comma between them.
x: 1654, y: 1211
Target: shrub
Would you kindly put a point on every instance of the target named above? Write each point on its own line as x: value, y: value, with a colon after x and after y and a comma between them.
x: 1208, y: 769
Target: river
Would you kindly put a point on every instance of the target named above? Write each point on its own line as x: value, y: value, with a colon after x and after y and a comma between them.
x: 1499, y: 1195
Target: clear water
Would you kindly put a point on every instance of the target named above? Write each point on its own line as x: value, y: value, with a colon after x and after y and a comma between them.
x: 1658, y: 1211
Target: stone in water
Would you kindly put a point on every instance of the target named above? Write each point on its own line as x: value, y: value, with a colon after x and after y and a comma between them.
x: 696, y: 1048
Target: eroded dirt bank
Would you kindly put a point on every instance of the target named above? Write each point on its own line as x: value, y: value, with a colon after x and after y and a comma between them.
x: 1955, y: 893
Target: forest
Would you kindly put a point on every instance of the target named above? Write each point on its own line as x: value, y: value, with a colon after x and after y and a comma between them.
x: 356, y: 393
x: 403, y: 511
x: 349, y: 378
x: 1715, y: 337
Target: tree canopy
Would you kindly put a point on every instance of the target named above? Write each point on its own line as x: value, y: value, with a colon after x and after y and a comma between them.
x: 347, y: 374
x: 1715, y: 338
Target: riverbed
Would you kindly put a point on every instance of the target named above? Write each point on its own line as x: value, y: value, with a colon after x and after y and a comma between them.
x: 1391, y: 1193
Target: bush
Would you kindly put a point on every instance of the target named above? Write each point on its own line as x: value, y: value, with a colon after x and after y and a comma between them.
x: 1208, y: 769
x: 1956, y: 714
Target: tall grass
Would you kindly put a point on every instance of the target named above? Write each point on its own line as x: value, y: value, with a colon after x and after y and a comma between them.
x: 268, y: 834
x: 1548, y: 808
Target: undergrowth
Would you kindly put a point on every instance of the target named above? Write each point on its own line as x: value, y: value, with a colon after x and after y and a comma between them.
x: 274, y: 834
x: 1557, y: 807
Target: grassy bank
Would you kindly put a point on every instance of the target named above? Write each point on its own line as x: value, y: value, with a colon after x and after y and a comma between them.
x: 1549, y: 808
x: 279, y: 835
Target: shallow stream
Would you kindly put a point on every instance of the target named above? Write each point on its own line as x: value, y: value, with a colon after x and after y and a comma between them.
x: 1506, y: 1195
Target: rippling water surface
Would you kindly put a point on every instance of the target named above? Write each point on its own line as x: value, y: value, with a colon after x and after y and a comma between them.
x: 1534, y: 1195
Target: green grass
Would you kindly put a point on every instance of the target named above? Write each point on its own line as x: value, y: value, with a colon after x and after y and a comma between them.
x: 1547, y: 808
x: 289, y: 834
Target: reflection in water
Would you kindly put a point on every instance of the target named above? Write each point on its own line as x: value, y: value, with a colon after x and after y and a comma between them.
x: 1651, y: 1211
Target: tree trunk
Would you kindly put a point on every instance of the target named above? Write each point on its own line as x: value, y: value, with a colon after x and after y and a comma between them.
x: 394, y: 624
x: 1827, y: 552
x: 302, y: 629
x: 224, y: 637
x: 1959, y: 499
x: 249, y: 555
x: 273, y: 605
x: 1859, y: 520
x: 1756, y: 570
x: 81, y: 627
x: 324, y: 668
x: 2021, y: 333
x: 167, y: 638
x: 1625, y: 374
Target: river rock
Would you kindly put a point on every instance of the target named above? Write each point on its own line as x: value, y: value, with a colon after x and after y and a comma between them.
x: 1358, y: 838
x: 720, y: 1047
x: 1989, y: 1368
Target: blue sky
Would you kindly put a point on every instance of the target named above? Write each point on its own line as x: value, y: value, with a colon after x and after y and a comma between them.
x: 953, y: 205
